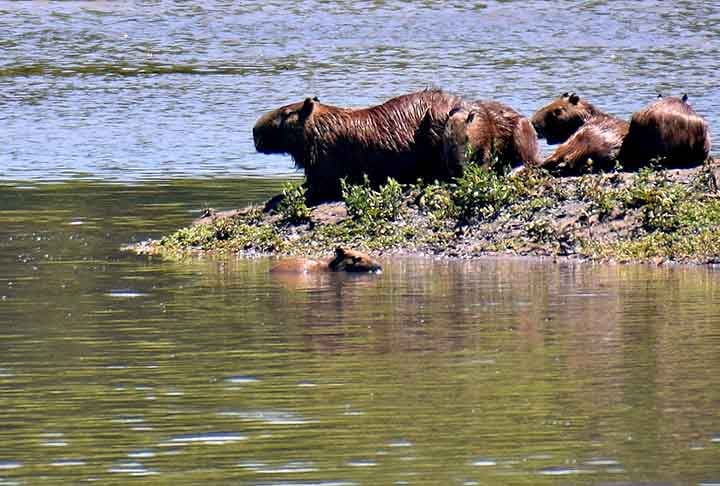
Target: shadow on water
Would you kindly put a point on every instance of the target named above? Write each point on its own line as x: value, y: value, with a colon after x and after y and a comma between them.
x: 495, y: 371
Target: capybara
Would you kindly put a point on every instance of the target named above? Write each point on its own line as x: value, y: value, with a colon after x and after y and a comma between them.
x: 594, y: 147
x: 486, y: 131
x: 331, y: 143
x: 668, y: 132
x: 557, y: 121
x: 345, y: 260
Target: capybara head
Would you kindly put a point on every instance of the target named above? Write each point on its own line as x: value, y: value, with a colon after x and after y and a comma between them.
x: 560, y: 119
x: 282, y: 130
x: 347, y: 260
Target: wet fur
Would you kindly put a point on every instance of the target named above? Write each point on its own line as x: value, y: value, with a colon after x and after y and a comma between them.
x: 592, y: 148
x: 345, y: 260
x: 484, y: 129
x: 669, y: 132
x: 399, y: 139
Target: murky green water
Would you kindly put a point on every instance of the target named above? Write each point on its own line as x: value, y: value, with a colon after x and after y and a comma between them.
x: 493, y: 371
x: 157, y: 89
x: 120, y: 369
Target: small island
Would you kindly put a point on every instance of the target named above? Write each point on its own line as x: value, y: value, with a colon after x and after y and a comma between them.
x: 653, y: 215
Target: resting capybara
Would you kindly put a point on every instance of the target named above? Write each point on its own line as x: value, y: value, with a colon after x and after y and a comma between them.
x: 557, y: 121
x: 485, y: 131
x: 345, y: 260
x: 594, y: 147
x: 667, y: 131
x: 382, y: 141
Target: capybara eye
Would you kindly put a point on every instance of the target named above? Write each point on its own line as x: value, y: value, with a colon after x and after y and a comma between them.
x: 557, y: 111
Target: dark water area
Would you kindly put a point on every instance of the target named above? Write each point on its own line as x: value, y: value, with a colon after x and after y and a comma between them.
x: 150, y: 90
x: 120, y: 121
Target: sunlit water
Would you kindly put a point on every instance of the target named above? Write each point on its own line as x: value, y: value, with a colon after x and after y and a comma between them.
x: 119, y: 369
x: 128, y: 90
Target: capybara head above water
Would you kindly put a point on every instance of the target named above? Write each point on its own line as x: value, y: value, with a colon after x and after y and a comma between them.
x: 557, y: 121
x: 348, y: 260
x: 669, y: 132
x: 399, y: 138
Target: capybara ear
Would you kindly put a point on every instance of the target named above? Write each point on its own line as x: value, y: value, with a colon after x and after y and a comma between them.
x: 452, y: 112
x: 316, y: 99
x: 659, y: 96
x: 470, y: 117
x: 565, y: 95
x: 684, y: 98
x: 574, y: 99
x: 339, y: 252
x: 307, y: 108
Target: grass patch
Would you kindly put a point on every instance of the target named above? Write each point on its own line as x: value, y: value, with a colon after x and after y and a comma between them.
x: 629, y: 217
x: 224, y: 234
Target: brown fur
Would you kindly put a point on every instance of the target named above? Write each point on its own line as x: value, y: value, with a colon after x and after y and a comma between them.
x: 669, y: 132
x: 557, y: 121
x: 382, y: 141
x: 345, y: 260
x: 594, y: 147
x: 483, y: 129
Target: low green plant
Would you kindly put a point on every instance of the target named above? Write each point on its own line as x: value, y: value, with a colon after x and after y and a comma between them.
x: 224, y: 234
x: 367, y: 204
x: 293, y: 206
x: 436, y: 200
x: 481, y: 193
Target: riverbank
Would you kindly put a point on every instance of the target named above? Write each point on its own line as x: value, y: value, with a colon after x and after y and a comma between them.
x: 649, y: 216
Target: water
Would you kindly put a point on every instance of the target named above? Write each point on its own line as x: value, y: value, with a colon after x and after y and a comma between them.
x: 136, y: 91
x: 495, y: 371
x: 120, y: 121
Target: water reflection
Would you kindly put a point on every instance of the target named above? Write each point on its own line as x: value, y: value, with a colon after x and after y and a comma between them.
x: 493, y: 371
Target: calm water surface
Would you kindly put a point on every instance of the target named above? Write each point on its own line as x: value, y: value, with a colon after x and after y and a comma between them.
x: 120, y: 120
x: 114, y: 366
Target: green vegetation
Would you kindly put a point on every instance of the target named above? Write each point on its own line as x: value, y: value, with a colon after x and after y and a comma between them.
x: 647, y: 216
x: 293, y: 207
x: 368, y: 205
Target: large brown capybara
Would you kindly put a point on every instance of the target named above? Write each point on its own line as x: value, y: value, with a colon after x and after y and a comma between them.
x: 345, y: 260
x: 557, y: 121
x: 485, y: 132
x: 668, y: 132
x: 399, y: 138
x: 593, y: 148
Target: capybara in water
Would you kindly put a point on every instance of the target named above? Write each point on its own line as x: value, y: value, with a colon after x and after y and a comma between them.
x: 667, y: 131
x: 345, y: 260
x: 594, y: 147
x: 484, y: 130
x: 557, y: 121
x: 382, y: 141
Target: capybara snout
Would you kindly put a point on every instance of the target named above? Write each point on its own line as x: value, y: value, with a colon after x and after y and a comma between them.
x: 281, y: 130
